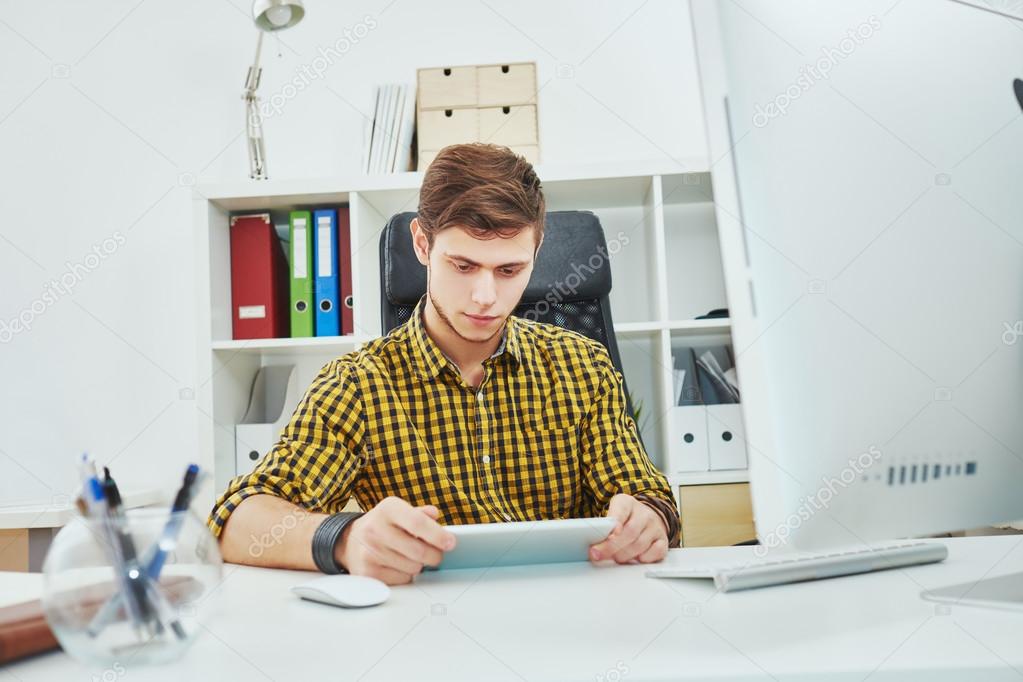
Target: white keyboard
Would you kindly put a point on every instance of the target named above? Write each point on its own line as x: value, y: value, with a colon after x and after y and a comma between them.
x: 796, y: 567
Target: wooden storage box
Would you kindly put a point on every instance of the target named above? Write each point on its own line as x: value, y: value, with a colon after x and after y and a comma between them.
x: 494, y: 103
x: 506, y: 84
x: 440, y: 127
x: 511, y: 126
x: 716, y: 515
x: 447, y: 88
x: 530, y: 153
x: 14, y: 556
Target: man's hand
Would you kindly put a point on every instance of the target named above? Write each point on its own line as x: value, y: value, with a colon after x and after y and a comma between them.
x: 640, y: 533
x: 393, y: 541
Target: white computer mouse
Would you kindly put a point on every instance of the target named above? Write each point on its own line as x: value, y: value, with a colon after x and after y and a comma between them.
x: 350, y: 591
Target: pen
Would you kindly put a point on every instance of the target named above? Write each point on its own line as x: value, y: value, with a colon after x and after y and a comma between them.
x: 155, y: 558
x: 129, y: 555
x: 99, y: 509
x: 86, y: 471
x: 171, y: 529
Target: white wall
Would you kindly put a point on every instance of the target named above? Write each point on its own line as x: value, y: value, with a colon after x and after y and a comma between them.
x: 109, y: 111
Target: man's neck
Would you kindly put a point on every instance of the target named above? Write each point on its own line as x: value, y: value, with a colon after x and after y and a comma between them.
x: 466, y: 354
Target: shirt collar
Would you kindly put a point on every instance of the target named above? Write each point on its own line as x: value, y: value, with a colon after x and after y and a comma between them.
x: 430, y: 359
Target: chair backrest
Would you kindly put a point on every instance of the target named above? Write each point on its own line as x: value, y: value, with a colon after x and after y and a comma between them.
x: 569, y: 286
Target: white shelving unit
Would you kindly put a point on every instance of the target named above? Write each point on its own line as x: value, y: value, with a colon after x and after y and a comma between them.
x: 666, y: 271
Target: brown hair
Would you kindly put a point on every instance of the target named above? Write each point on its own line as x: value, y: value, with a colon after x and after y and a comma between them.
x: 489, y: 190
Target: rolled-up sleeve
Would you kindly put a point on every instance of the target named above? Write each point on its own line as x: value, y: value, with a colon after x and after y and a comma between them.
x: 614, y: 461
x: 315, y: 462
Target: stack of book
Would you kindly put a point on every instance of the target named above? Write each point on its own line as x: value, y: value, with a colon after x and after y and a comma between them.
x: 295, y: 284
x: 388, y: 140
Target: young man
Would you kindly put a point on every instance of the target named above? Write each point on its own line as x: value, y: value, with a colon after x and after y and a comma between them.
x: 465, y: 414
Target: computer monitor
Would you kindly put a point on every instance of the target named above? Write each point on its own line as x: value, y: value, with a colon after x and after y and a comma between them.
x: 867, y: 165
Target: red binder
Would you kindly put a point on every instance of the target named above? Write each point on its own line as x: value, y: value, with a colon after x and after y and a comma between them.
x: 259, y: 279
x: 344, y: 247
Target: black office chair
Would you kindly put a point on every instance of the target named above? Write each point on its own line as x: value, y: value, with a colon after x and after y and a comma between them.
x: 571, y: 238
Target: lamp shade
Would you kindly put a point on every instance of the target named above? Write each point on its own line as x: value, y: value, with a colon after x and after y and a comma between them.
x: 274, y: 15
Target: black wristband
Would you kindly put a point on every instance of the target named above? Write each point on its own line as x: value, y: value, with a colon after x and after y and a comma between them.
x: 325, y: 540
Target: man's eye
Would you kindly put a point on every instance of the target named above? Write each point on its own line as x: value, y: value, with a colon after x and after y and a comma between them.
x: 509, y: 272
x: 462, y: 267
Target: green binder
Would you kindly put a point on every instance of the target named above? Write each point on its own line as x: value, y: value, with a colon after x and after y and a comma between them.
x: 302, y: 313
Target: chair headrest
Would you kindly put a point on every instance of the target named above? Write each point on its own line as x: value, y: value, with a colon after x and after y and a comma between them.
x: 572, y: 263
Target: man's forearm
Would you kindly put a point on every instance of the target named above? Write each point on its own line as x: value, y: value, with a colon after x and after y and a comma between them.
x: 267, y: 531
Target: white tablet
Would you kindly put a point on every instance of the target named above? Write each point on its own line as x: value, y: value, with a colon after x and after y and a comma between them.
x: 481, y: 545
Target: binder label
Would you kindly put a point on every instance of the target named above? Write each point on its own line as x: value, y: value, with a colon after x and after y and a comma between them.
x: 251, y: 312
x: 300, y: 256
x: 324, y: 246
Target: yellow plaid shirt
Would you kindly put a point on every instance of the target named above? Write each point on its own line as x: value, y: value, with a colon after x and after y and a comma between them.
x: 545, y: 436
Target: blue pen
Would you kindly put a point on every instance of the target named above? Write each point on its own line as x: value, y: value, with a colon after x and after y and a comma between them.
x: 86, y: 471
x: 169, y: 537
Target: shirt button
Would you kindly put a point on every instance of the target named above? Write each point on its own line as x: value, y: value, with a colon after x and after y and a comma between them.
x: 486, y: 459
x: 479, y: 396
x: 507, y: 517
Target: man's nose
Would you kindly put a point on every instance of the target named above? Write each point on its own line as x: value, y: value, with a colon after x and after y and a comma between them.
x: 484, y: 289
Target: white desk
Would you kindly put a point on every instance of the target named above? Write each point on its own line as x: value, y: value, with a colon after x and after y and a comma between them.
x: 582, y: 622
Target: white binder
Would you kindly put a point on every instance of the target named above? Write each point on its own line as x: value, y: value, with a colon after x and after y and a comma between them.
x: 726, y: 437
x: 687, y: 449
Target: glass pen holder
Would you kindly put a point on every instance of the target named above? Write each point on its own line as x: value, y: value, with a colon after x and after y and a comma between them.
x: 105, y: 607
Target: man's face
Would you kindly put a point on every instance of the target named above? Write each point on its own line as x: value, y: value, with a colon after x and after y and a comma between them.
x: 475, y: 284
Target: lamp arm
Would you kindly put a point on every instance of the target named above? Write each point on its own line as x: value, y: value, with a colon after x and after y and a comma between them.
x: 253, y: 117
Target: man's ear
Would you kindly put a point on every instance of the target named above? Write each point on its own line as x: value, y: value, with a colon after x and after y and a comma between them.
x: 420, y: 242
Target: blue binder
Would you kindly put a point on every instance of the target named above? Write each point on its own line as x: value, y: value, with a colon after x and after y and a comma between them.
x: 328, y: 314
